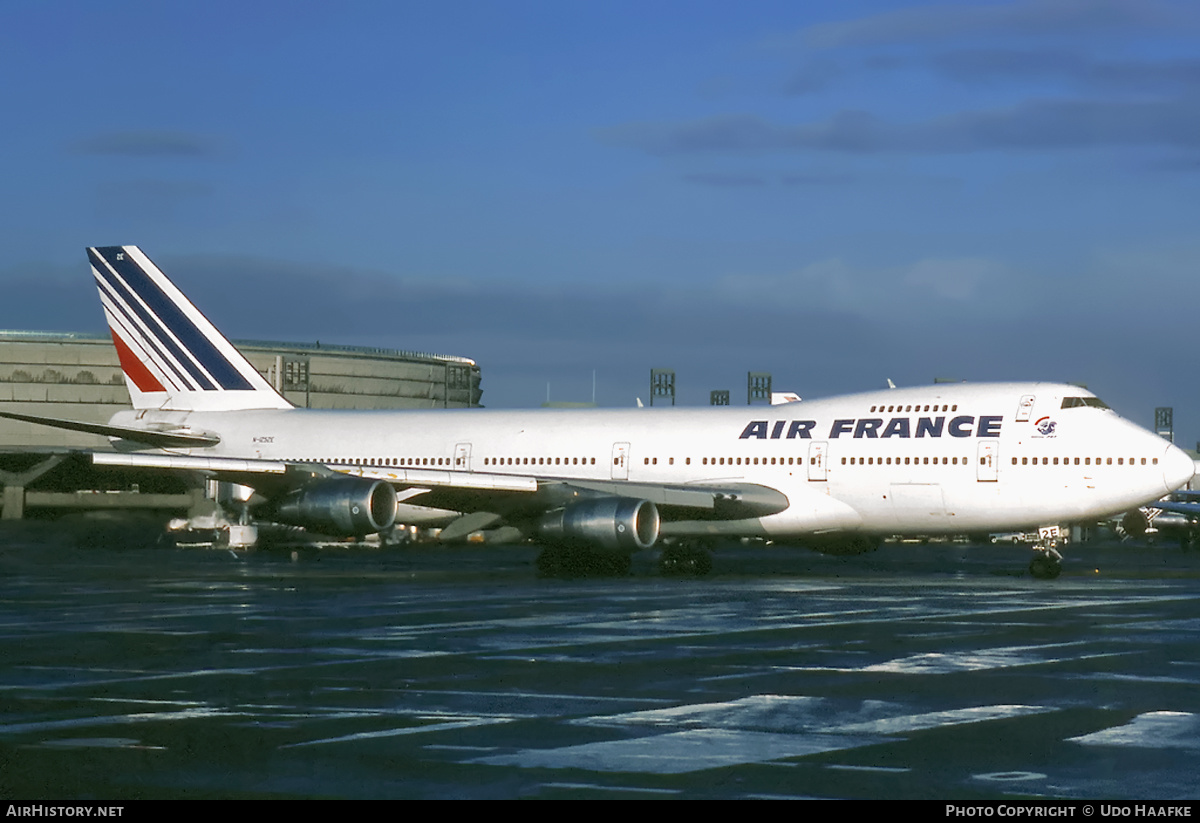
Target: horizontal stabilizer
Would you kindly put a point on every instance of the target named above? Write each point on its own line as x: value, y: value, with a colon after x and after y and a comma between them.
x: 165, y: 439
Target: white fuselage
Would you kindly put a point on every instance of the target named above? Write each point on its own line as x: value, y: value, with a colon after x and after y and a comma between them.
x: 941, y: 459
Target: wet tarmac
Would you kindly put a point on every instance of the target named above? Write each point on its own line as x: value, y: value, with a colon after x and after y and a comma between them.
x: 944, y: 671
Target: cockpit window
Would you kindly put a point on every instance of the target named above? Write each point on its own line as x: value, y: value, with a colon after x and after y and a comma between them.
x: 1072, y: 402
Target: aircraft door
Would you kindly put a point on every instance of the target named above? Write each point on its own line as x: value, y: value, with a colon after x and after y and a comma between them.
x: 620, y: 461
x: 816, y: 460
x: 1025, y: 408
x: 462, y: 457
x: 989, y: 462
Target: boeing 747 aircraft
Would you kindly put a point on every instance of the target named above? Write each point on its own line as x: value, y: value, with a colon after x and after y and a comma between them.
x: 835, y: 474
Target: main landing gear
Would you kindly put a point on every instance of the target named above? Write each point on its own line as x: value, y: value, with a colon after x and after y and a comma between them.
x: 1047, y: 561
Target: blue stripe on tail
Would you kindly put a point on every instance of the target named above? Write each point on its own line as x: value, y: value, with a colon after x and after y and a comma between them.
x: 167, y: 315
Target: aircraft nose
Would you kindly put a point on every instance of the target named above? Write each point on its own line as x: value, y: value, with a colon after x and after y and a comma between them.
x: 1178, y: 467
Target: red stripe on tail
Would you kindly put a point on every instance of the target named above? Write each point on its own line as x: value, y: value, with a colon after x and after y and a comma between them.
x: 134, y: 368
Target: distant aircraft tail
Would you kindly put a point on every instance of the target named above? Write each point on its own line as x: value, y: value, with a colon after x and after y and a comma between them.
x: 172, y: 356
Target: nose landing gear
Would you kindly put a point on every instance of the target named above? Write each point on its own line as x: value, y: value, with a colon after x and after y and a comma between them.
x: 1047, y: 561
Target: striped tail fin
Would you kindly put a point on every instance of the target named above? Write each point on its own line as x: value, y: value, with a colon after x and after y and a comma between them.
x: 172, y: 356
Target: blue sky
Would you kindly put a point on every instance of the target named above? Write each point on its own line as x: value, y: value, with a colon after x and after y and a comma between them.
x: 837, y: 193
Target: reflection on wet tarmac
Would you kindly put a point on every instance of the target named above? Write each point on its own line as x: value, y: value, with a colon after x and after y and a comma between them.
x: 918, y: 671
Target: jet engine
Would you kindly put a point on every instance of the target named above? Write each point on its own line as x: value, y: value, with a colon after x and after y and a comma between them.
x: 608, y: 523
x: 348, y: 508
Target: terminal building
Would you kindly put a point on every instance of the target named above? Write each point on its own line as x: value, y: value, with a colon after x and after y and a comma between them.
x: 78, y: 377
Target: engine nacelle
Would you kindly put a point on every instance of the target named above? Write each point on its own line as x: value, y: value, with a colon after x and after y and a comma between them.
x: 347, y: 508
x: 608, y: 523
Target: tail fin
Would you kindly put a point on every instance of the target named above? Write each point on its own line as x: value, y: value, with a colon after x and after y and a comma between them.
x: 172, y: 356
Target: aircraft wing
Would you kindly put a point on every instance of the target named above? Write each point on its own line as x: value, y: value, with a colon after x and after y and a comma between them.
x: 1188, y: 494
x: 240, y: 466
x: 1192, y: 509
x: 727, y: 501
x: 482, y: 491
